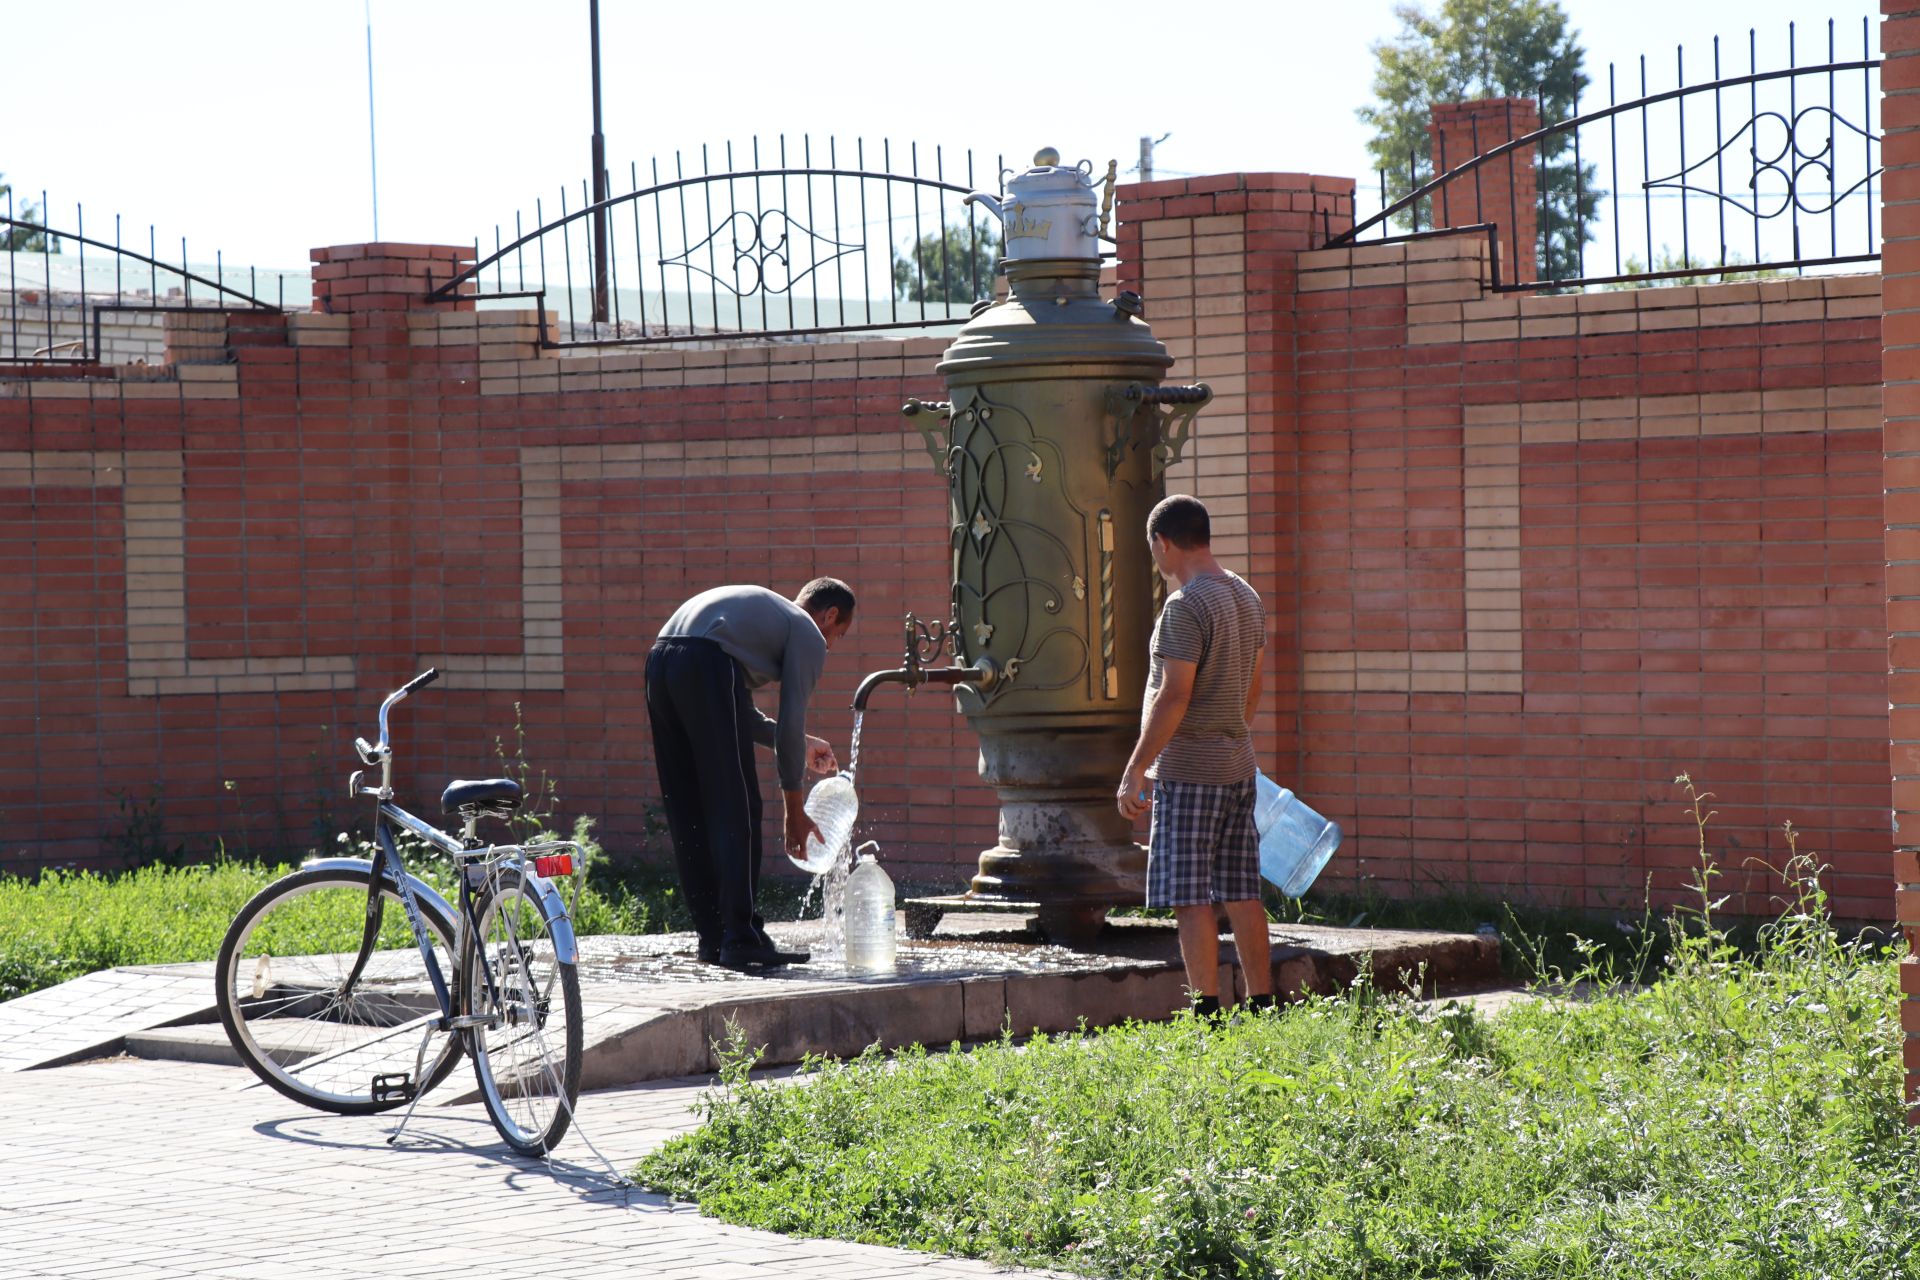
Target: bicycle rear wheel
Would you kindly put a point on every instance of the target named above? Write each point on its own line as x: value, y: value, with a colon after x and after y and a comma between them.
x: 281, y: 984
x: 527, y: 1047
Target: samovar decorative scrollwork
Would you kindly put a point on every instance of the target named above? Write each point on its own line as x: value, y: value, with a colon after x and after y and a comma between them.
x: 1012, y: 576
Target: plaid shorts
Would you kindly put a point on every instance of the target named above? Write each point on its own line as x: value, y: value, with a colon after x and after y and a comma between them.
x: 1203, y: 847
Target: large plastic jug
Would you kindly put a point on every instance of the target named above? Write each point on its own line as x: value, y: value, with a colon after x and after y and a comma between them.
x: 1295, y: 842
x: 833, y: 806
x: 870, y: 919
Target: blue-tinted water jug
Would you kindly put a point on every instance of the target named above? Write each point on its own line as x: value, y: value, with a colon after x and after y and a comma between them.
x: 1295, y: 842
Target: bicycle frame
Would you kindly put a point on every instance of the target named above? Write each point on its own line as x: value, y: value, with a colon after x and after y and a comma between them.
x: 473, y: 860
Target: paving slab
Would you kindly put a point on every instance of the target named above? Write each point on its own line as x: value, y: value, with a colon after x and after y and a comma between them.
x: 92, y: 1015
x: 148, y: 1170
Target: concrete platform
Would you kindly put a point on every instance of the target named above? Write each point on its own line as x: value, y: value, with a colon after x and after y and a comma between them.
x: 653, y: 1011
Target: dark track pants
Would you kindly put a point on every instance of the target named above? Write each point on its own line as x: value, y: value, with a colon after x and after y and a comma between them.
x: 701, y: 711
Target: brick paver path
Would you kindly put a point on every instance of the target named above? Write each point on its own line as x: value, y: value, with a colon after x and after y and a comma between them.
x: 141, y: 1170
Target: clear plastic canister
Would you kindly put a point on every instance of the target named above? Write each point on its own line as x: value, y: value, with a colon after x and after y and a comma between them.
x: 1295, y: 842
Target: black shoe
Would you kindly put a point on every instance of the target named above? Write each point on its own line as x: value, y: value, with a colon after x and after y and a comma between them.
x: 759, y: 956
x: 1262, y: 1003
x: 707, y: 953
x: 1206, y: 1006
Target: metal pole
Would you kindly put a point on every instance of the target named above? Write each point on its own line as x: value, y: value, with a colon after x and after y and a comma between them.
x: 599, y: 178
x: 373, y: 159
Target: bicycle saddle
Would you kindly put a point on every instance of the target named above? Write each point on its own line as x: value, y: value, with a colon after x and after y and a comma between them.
x: 497, y: 796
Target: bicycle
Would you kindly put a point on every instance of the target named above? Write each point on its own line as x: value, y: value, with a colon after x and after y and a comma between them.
x: 322, y: 984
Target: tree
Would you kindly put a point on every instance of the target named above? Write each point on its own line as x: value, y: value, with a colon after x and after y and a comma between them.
x: 952, y: 265
x: 1486, y: 49
x: 23, y: 239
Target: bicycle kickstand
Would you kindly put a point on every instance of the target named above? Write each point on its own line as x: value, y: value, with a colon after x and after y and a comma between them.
x: 419, y: 1066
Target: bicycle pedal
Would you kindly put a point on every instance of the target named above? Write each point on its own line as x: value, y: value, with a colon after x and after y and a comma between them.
x: 393, y: 1088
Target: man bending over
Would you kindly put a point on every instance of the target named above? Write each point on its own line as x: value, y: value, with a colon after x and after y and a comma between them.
x: 713, y: 650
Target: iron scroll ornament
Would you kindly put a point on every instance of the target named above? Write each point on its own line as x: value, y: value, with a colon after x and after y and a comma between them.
x: 754, y: 246
x: 1791, y: 161
x: 1168, y: 426
x: 1010, y: 576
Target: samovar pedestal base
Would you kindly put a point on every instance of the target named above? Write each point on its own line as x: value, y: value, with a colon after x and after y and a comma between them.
x: 1068, y: 926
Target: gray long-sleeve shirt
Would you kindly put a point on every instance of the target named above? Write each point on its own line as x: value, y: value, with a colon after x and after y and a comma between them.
x: 772, y: 639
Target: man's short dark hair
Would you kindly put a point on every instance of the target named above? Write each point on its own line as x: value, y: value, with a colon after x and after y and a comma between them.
x: 823, y: 594
x: 1183, y: 521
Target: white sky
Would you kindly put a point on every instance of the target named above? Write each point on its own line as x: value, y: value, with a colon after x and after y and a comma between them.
x: 242, y: 124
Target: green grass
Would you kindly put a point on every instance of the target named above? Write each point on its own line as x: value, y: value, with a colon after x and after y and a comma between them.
x: 63, y: 924
x: 1737, y: 1119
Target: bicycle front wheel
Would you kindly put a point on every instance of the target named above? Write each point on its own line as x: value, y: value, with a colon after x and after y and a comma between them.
x: 526, y: 1039
x: 302, y: 1018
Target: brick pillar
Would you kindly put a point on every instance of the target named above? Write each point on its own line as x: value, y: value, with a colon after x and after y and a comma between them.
x: 393, y: 420
x: 1505, y: 191
x: 1900, y: 363
x: 387, y: 277
x: 1216, y: 261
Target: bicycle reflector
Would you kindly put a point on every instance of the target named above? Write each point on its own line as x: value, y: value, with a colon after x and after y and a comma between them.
x: 554, y: 864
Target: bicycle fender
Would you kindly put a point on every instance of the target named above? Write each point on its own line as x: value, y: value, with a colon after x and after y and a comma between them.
x: 426, y: 892
x: 565, y: 948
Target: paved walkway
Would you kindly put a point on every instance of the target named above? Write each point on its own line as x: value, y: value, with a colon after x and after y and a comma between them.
x: 146, y: 1170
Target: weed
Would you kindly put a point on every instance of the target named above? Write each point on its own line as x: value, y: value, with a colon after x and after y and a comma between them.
x: 1738, y: 1116
x: 142, y: 838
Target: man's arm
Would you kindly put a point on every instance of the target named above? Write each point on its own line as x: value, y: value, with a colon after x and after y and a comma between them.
x: 764, y: 729
x: 806, y: 658
x: 1168, y: 709
x: 1255, y: 686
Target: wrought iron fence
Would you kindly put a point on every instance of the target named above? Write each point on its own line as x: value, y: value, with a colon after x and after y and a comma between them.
x: 795, y: 244
x: 1766, y: 172
x: 69, y: 298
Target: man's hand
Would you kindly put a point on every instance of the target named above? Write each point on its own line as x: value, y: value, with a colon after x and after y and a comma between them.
x: 820, y: 757
x: 798, y: 826
x: 1135, y: 796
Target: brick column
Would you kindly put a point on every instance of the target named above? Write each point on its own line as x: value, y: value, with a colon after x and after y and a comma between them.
x: 393, y: 420
x: 1505, y: 191
x: 1216, y: 261
x: 1900, y: 363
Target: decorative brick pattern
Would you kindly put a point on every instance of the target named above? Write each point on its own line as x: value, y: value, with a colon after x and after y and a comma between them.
x: 544, y: 469
x: 153, y: 495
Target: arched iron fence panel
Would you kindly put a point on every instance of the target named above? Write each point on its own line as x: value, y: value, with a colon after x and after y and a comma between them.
x: 58, y: 287
x: 1764, y: 173
x: 770, y: 251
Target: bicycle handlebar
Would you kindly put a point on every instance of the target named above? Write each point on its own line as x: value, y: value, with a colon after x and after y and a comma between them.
x: 425, y: 678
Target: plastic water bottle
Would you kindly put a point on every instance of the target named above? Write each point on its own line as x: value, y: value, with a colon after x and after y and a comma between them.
x: 870, y: 921
x: 833, y: 805
x: 1295, y: 842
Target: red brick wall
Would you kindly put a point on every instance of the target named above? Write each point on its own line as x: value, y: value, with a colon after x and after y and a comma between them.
x: 1527, y: 558
x: 384, y: 488
x: 1533, y: 557
x: 1571, y: 547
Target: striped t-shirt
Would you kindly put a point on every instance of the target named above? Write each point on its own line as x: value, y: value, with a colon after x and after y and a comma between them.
x: 1217, y: 622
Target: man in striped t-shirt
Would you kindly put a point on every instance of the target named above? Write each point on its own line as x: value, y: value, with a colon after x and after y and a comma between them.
x: 1196, y: 753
